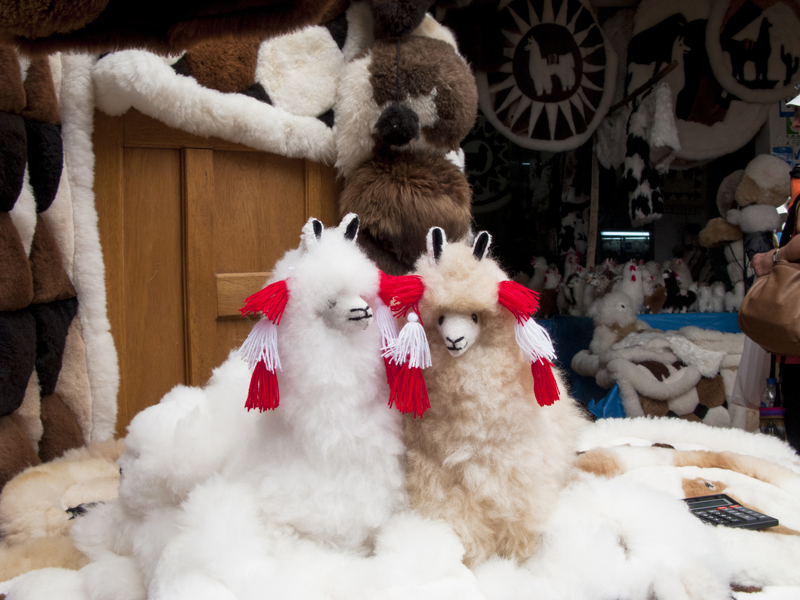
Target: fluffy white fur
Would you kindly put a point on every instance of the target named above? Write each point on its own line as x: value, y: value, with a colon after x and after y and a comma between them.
x: 77, y: 113
x: 300, y: 70
x: 485, y: 457
x: 208, y: 490
x: 756, y: 217
x: 138, y: 79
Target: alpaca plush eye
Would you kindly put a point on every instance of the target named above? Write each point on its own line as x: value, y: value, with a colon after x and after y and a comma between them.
x: 474, y: 318
x: 331, y: 303
x: 441, y: 319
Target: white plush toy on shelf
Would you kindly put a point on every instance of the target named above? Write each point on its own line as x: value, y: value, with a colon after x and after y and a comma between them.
x: 536, y: 282
x: 734, y: 297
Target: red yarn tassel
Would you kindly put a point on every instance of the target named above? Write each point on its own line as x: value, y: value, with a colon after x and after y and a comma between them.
x: 392, y: 369
x: 521, y: 301
x: 409, y: 393
x: 544, y: 382
x: 263, y: 393
x: 270, y: 302
x: 401, y: 293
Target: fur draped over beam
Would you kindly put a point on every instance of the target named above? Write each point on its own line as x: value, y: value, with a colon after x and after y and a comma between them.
x: 108, y: 25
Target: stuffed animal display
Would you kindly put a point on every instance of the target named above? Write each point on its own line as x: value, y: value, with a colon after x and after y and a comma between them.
x: 213, y: 496
x: 747, y: 201
x: 495, y: 448
x: 401, y: 112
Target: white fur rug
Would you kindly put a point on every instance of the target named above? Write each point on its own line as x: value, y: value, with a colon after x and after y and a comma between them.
x: 620, y: 530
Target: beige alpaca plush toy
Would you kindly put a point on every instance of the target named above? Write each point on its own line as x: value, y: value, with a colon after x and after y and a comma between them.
x: 489, y: 456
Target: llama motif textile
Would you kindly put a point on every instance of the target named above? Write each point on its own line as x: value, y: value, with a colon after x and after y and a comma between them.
x: 754, y: 48
x: 56, y: 354
x: 711, y: 122
x: 557, y: 78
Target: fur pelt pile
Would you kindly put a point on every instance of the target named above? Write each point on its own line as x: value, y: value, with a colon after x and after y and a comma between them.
x: 622, y: 521
x: 39, y: 506
x: 58, y: 369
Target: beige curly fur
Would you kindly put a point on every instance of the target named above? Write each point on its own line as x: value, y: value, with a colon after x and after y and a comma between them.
x: 485, y: 457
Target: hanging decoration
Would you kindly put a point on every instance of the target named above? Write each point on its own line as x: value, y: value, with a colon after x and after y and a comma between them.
x: 558, y: 78
x: 754, y: 49
x: 711, y: 121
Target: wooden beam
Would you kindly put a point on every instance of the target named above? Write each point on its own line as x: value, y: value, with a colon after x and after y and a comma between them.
x: 591, y: 242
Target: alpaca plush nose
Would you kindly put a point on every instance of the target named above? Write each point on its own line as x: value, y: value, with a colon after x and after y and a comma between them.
x: 397, y: 125
x: 360, y: 314
x: 454, y: 342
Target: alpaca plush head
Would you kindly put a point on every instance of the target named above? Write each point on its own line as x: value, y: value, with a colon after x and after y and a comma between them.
x: 471, y: 301
x: 325, y: 283
x: 460, y: 290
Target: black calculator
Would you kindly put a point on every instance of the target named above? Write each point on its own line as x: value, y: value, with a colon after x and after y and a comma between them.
x: 720, y: 509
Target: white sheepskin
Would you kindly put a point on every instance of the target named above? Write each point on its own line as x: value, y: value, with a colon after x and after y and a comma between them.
x: 138, y: 79
x: 77, y: 114
x: 300, y: 71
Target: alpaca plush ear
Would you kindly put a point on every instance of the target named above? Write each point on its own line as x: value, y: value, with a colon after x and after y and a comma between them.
x: 312, y: 232
x: 480, y: 248
x: 435, y: 241
x: 350, y: 224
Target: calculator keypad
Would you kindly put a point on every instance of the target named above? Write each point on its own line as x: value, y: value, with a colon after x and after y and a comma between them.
x: 723, y: 510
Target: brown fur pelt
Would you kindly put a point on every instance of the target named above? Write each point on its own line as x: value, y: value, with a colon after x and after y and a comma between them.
x: 167, y: 28
x: 485, y: 457
x: 398, y: 196
x: 719, y: 232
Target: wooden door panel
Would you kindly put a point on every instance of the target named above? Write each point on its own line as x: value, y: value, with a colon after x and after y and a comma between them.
x: 189, y: 227
x: 153, y: 284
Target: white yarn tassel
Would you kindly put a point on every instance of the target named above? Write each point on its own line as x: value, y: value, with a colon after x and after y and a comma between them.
x: 387, y: 325
x: 262, y: 344
x: 534, y: 341
x: 411, y: 345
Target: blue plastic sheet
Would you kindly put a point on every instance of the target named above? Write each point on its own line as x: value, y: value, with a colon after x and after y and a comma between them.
x: 609, y: 407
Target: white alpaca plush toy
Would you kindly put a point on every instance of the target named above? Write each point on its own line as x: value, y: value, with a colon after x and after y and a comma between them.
x: 718, y: 296
x: 213, y: 497
x: 491, y: 455
x: 536, y: 282
x: 733, y: 298
x: 631, y: 283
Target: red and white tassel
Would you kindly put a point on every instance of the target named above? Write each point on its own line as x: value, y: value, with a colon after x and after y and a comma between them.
x: 411, y: 351
x: 260, y: 349
x: 388, y: 328
x: 532, y: 338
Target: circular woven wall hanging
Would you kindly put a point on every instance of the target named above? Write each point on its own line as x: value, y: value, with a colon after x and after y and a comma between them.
x: 557, y: 81
x: 754, y: 48
x: 711, y: 121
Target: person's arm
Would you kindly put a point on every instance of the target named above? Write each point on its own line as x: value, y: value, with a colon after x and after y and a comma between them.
x: 762, y: 263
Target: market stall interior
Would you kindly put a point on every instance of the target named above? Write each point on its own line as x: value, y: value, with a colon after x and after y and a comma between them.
x: 398, y: 299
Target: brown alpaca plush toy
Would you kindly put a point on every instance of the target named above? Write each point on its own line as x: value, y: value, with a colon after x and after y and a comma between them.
x: 402, y: 110
x: 496, y: 447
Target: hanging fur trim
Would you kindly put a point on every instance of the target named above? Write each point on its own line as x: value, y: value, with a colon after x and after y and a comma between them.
x: 260, y: 349
x: 645, y: 203
x: 411, y: 352
x: 532, y: 338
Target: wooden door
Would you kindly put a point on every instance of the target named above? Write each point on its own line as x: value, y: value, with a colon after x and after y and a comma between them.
x: 189, y: 227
